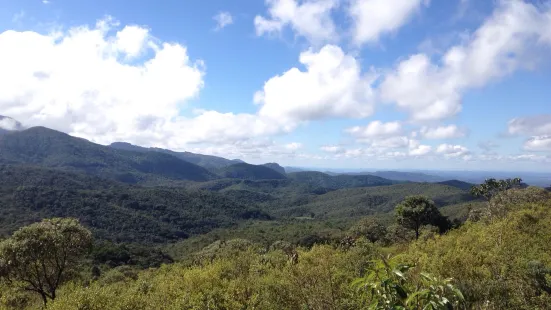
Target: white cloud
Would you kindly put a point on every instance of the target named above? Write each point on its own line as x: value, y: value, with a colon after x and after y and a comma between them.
x: 420, y: 150
x: 255, y: 150
x: 450, y: 151
x: 9, y: 124
x: 293, y: 146
x: 132, y: 41
x: 442, y: 132
x: 335, y: 149
x: 376, y: 129
x: 332, y: 86
x: 373, y: 18
x: 390, y: 143
x: 538, y: 144
x: 46, y: 1
x: 223, y: 19
x: 78, y: 81
x: 307, y: 18
x: 81, y: 82
x: 506, y: 42
x: 531, y: 126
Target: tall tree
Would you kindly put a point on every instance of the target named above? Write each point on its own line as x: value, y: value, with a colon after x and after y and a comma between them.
x: 491, y: 187
x: 41, y: 256
x: 416, y: 211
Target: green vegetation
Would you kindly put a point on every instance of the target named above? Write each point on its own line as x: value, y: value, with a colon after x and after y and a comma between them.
x: 40, y: 257
x: 50, y: 148
x: 491, y: 187
x: 321, y: 180
x: 205, y: 161
x: 112, y: 210
x: 492, y: 263
x: 250, y: 172
x: 169, y: 234
x: 418, y: 211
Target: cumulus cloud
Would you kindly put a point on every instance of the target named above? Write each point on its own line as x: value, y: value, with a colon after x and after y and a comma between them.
x: 293, y: 146
x: 442, y: 132
x: 452, y: 151
x: 531, y: 125
x: 373, y: 18
x: 307, y: 18
x: 538, y: 144
x: 223, y: 19
x: 107, y: 84
x: 80, y: 81
x: 335, y: 149
x: 332, y: 86
x: 376, y: 129
x: 504, y: 43
x: 9, y: 124
x: 256, y: 150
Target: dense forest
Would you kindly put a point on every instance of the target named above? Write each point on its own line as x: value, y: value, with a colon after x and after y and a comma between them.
x: 87, y: 226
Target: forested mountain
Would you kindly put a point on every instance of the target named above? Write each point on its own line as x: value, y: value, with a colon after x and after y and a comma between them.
x: 205, y: 161
x: 250, y: 172
x: 115, y: 211
x: 458, y: 184
x: 276, y: 167
x: 353, y: 202
x: 50, y: 148
x: 322, y: 180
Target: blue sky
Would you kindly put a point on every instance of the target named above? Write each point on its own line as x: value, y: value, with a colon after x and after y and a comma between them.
x: 394, y: 84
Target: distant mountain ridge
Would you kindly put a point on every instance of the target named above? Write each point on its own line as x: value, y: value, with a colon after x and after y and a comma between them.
x: 276, y: 167
x: 405, y: 176
x: 205, y: 161
x: 50, y: 148
x: 333, y: 182
x: 251, y: 172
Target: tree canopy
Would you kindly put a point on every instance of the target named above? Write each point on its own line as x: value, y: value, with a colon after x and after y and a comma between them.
x: 39, y: 257
x: 491, y: 187
x: 416, y: 211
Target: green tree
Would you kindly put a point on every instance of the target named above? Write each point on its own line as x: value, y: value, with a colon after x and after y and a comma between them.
x: 491, y: 187
x: 416, y: 211
x: 41, y: 256
x: 369, y: 228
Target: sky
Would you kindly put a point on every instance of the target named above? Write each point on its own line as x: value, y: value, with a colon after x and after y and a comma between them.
x: 378, y: 84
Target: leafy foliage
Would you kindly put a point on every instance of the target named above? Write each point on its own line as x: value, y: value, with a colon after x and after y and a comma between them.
x: 491, y: 187
x: 416, y: 211
x: 39, y: 257
x: 115, y: 211
x: 391, y: 285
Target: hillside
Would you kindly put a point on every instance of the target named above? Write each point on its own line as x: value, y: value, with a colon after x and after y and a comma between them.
x: 50, y: 148
x: 276, y: 167
x: 459, y: 184
x: 114, y: 211
x: 205, y: 161
x: 250, y: 172
x: 354, y: 202
x: 322, y: 180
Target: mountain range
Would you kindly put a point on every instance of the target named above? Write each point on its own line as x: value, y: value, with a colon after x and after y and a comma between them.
x: 128, y: 193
